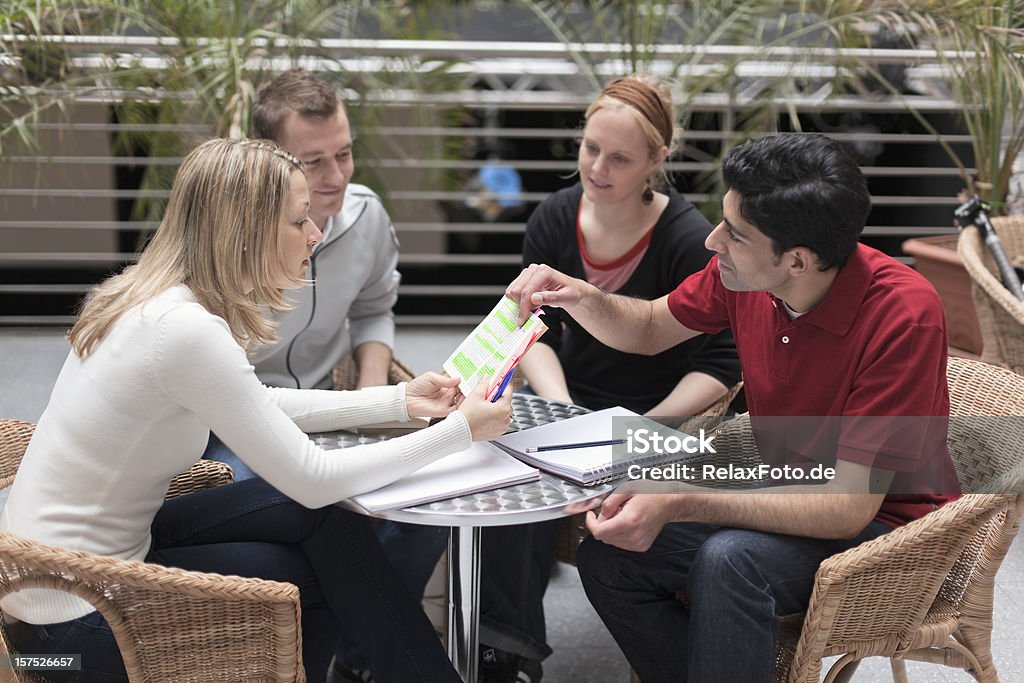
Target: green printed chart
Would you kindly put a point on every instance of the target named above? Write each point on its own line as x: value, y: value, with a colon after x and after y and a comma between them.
x: 494, y: 346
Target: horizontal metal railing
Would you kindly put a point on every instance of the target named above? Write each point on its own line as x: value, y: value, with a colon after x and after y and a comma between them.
x: 493, y: 63
x: 473, y: 49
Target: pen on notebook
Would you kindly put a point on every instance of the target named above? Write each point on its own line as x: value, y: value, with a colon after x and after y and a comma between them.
x: 581, y: 444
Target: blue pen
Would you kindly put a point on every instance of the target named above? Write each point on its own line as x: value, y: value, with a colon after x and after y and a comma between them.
x: 501, y: 387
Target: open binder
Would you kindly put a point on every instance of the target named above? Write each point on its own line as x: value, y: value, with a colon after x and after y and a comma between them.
x: 481, y: 467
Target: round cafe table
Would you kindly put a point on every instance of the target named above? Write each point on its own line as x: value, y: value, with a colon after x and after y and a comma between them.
x: 547, y: 498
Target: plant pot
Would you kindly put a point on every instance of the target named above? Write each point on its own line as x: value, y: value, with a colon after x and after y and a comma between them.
x: 936, y: 259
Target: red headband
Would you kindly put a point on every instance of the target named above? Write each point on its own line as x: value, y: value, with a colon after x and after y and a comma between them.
x: 644, y: 99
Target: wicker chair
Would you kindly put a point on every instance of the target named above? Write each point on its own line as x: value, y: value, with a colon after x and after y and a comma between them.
x: 1000, y: 315
x: 572, y: 530
x: 170, y: 624
x: 345, y: 374
x: 925, y: 591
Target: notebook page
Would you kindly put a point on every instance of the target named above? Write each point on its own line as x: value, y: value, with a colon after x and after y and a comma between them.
x: 481, y: 467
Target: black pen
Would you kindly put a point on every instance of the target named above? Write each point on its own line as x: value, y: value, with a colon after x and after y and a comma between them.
x: 566, y: 446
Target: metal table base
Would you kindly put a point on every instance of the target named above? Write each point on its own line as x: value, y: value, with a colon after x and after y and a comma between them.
x: 464, y: 599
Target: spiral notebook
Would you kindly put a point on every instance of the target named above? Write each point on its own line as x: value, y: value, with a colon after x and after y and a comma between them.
x: 585, y: 466
x: 481, y: 467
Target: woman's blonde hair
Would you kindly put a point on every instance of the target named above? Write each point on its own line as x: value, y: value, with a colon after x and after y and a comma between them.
x: 649, y: 100
x: 219, y: 236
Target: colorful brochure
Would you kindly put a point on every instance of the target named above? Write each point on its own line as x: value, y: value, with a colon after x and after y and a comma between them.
x: 494, y: 348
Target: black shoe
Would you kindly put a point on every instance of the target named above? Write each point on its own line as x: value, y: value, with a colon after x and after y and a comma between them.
x: 340, y: 673
x: 530, y: 671
x: 498, y: 666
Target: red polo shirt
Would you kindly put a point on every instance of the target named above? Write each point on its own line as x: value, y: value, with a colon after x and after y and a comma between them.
x: 872, y: 352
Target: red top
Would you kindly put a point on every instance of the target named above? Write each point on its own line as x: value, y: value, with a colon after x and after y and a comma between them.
x: 873, y: 352
x: 610, y: 276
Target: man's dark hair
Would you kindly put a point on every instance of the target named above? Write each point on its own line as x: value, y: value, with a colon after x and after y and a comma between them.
x: 295, y: 90
x: 801, y: 189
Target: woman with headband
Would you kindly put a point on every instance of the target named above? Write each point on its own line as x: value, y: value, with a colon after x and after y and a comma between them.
x: 622, y: 228
x: 158, y: 359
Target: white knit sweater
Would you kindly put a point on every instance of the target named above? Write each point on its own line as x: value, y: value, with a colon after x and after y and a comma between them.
x: 139, y: 410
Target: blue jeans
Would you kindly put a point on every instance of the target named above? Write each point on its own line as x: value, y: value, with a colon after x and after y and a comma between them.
x: 739, y: 583
x: 332, y: 555
x: 88, y: 636
x: 515, y: 567
x: 413, y: 550
x: 216, y: 450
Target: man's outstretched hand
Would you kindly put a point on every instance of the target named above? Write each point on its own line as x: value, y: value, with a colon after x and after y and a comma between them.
x: 542, y: 285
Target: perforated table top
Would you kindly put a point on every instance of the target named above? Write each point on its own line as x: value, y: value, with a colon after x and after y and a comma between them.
x: 535, y: 501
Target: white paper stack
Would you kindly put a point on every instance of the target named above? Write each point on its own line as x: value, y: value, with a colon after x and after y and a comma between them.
x: 481, y: 467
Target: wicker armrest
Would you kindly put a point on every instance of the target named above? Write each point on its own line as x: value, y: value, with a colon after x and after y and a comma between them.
x: 721, y: 406
x: 886, y: 585
x: 205, y: 474
x: 569, y: 533
x: 736, y: 436
x: 1000, y: 315
x: 228, y: 627
x: 734, y: 445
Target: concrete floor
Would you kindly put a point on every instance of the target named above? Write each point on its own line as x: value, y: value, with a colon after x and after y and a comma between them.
x: 30, y: 360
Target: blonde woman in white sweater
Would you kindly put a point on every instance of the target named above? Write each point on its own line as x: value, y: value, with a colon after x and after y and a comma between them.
x: 158, y: 360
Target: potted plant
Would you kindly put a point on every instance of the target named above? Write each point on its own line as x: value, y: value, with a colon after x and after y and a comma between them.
x: 209, y: 59
x: 978, y: 45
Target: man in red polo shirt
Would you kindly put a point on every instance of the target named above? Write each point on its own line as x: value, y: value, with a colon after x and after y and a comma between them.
x: 827, y: 329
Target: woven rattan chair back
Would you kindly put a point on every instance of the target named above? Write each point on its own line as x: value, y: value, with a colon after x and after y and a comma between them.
x: 170, y: 624
x: 1000, y: 315
x: 986, y: 441
x: 345, y: 375
x: 986, y: 432
x: 14, y: 438
x: 876, y: 599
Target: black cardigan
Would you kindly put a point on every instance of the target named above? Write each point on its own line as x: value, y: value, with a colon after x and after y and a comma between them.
x: 599, y: 376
